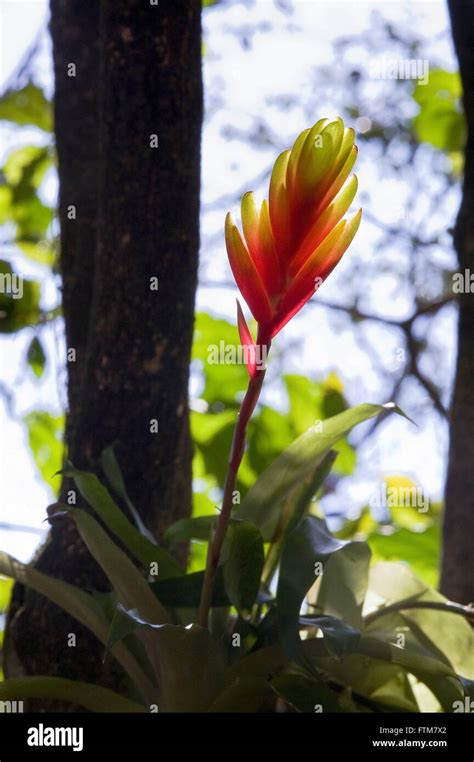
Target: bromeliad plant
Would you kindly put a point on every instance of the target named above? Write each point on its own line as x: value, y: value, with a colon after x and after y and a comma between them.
x: 332, y: 634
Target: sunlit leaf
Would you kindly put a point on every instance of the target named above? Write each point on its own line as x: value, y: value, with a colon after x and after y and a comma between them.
x: 45, y: 434
x: 28, y: 106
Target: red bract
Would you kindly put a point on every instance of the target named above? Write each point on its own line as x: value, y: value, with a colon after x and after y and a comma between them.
x: 296, y: 239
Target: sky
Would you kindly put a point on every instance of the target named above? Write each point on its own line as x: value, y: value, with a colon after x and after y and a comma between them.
x: 239, y: 82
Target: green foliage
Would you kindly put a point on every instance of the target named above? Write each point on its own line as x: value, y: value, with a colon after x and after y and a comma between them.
x: 98, y: 497
x: 28, y: 106
x: 411, y: 534
x: 375, y: 639
x: 243, y: 564
x: 45, y: 435
x: 20, y: 204
x: 441, y: 120
x: 19, y: 300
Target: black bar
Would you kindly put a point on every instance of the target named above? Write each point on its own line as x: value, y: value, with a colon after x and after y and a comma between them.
x: 442, y: 734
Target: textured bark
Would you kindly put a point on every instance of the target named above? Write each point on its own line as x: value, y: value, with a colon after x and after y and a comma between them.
x: 138, y: 75
x: 457, y: 578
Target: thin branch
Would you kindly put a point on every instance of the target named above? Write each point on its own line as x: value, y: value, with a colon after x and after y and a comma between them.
x: 449, y: 608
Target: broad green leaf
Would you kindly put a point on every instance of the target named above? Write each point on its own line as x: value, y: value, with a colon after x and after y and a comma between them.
x: 261, y: 504
x: 81, y: 606
x: 92, y: 697
x: 142, y: 548
x: 28, y: 106
x: 448, y: 633
x: 132, y: 589
x: 45, y: 435
x: 439, y: 678
x: 344, y: 583
x: 308, y: 550
x: 244, y: 564
x: 19, y: 300
x: 188, y: 664
x: 36, y: 357
x: 386, y: 684
x: 311, y: 488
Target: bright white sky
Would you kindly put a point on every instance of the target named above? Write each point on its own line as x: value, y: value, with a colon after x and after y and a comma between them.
x: 279, y: 61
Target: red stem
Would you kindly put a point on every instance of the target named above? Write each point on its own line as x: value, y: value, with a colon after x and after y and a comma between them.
x: 236, y: 454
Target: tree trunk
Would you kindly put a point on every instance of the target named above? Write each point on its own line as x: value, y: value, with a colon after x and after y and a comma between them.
x: 457, y: 579
x: 128, y: 121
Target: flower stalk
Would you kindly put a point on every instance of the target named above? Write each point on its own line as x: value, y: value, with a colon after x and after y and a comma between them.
x: 247, y: 407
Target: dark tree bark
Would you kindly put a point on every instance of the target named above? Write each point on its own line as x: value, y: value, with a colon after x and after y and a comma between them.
x: 457, y: 578
x: 137, y: 84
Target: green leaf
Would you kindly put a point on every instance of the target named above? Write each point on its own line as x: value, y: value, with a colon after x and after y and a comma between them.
x: 385, y: 684
x: 311, y: 488
x: 440, y: 121
x: 6, y: 586
x: 445, y: 633
x: 45, y: 435
x: 101, y: 501
x: 198, y: 528
x: 114, y: 475
x: 439, y: 678
x: 344, y: 583
x: 36, y: 357
x: 19, y: 300
x: 212, y: 437
x: 121, y: 625
x: 223, y: 382
x: 340, y: 638
x: 188, y: 664
x: 244, y: 564
x: 419, y: 549
x: 131, y: 588
x: 27, y: 106
x: 27, y: 166
x: 81, y: 606
x: 261, y: 504
x: 246, y: 695
x: 185, y: 592
x: 305, y: 694
x: 90, y: 696
x: 307, y: 548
